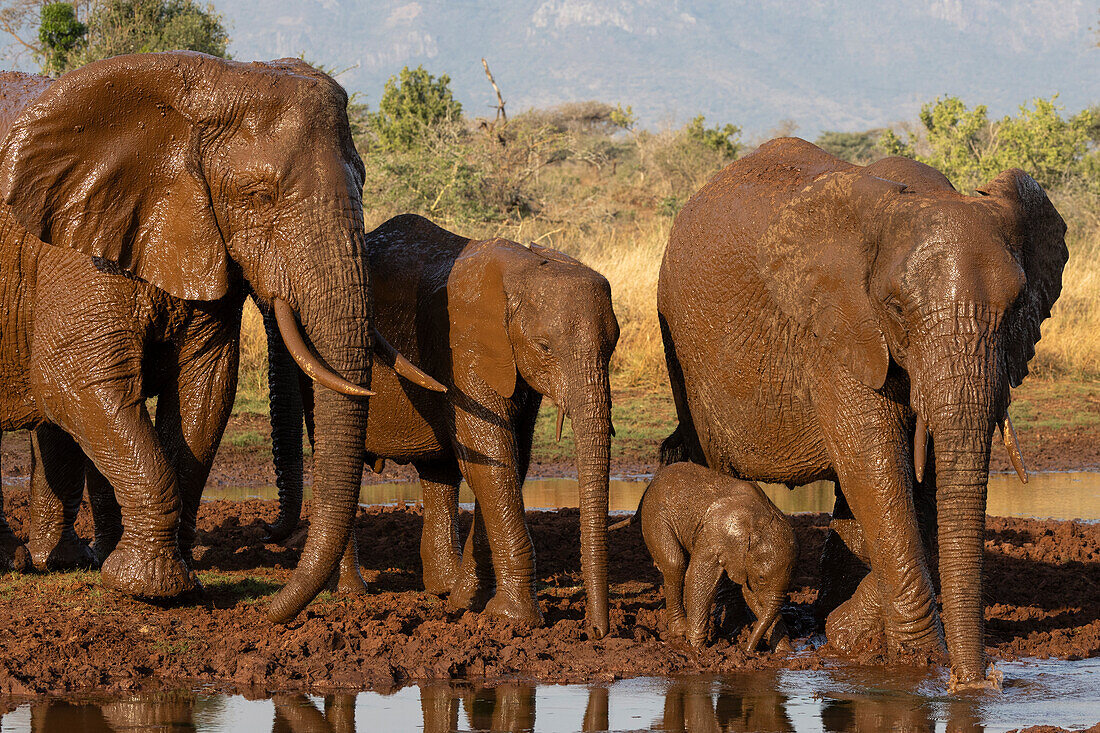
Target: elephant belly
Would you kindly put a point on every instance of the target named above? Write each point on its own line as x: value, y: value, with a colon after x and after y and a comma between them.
x: 404, y: 422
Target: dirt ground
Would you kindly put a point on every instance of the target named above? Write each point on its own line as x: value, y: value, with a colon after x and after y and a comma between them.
x: 63, y: 633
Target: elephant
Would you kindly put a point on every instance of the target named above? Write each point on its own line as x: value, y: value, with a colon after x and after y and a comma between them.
x: 820, y: 319
x: 201, y: 177
x: 700, y: 526
x: 501, y: 325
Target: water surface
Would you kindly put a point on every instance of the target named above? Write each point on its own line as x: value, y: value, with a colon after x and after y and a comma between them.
x: 1035, y: 693
x: 1053, y: 495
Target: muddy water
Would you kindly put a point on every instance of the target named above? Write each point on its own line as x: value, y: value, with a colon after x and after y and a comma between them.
x: 1054, y: 495
x: 1036, y: 692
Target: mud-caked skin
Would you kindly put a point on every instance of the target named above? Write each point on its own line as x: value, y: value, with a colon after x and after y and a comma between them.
x: 501, y: 325
x: 699, y: 526
x: 820, y: 318
x: 205, y: 179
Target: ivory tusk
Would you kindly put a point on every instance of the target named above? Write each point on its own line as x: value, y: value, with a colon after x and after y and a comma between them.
x: 307, y: 360
x: 920, y: 448
x: 561, y: 421
x: 404, y: 368
x: 1013, y: 445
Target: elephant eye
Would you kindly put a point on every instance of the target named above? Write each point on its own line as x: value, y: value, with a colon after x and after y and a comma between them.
x: 542, y: 346
x: 259, y: 192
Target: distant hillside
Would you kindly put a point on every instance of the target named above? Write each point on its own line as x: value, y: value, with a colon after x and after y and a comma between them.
x: 826, y: 64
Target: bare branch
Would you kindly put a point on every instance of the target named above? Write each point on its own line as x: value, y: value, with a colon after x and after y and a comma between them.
x: 501, y: 114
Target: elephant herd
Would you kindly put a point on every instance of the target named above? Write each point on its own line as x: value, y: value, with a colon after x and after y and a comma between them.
x: 821, y: 320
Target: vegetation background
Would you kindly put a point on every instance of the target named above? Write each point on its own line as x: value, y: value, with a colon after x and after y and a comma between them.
x: 584, y: 178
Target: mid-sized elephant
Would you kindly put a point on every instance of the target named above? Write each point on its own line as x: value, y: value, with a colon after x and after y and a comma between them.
x: 200, y: 176
x: 501, y: 325
x: 821, y: 319
x: 701, y: 526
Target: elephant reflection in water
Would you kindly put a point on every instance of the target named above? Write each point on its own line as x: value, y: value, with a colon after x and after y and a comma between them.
x: 297, y: 714
x: 864, y: 714
x: 171, y: 710
x: 752, y: 704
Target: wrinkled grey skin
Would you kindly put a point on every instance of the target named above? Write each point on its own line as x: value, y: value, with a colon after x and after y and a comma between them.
x: 699, y: 526
x: 203, y: 176
x: 815, y: 314
x: 501, y: 325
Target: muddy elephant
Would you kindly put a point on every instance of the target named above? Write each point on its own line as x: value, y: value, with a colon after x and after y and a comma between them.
x: 700, y: 526
x: 200, y: 176
x: 501, y: 325
x: 820, y: 319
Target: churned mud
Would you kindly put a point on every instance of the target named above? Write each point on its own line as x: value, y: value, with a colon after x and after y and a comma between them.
x: 64, y: 632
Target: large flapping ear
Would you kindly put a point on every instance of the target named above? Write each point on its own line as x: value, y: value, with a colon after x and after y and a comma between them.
x: 478, y: 310
x: 107, y: 161
x: 1041, y: 242
x: 817, y: 262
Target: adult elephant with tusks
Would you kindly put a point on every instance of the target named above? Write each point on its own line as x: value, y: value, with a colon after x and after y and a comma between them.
x: 823, y: 320
x: 195, y: 173
x: 501, y: 325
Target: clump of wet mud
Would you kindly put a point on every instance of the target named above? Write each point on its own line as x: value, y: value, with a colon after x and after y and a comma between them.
x: 65, y: 633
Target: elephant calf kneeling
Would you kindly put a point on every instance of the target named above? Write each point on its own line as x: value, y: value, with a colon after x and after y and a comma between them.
x: 700, y: 525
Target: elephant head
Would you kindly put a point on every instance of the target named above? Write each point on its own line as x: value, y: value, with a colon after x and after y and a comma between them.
x: 950, y: 290
x: 193, y: 172
x: 539, y: 315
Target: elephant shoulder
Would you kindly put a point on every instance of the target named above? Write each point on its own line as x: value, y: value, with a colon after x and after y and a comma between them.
x: 915, y: 175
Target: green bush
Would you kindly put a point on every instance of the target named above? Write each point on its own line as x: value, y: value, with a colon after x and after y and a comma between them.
x: 60, y: 34
x: 413, y: 102
x: 970, y: 149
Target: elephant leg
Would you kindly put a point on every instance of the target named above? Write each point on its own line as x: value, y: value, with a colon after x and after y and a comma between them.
x: 476, y: 578
x: 106, y: 512
x: 346, y: 579
x: 57, y: 486
x: 439, y: 539
x: 870, y: 452
x: 669, y: 557
x: 192, y: 411
x: 841, y: 567
x: 700, y: 587
x: 120, y: 439
x: 13, y: 554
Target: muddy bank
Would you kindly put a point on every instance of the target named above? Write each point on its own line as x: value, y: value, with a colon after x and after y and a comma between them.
x: 63, y: 632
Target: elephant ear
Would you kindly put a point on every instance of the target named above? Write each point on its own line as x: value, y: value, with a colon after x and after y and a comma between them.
x: 477, y: 307
x: 106, y: 161
x: 1040, y: 247
x: 816, y: 262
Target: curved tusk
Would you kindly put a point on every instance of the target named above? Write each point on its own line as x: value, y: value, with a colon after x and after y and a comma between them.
x: 307, y: 360
x: 1013, y: 445
x: 561, y: 421
x: 920, y: 448
x: 404, y: 368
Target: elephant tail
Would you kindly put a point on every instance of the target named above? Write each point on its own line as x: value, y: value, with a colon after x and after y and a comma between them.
x: 674, y: 448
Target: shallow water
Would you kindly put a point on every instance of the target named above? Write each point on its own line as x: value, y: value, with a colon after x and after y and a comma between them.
x: 1054, y: 495
x: 1035, y: 692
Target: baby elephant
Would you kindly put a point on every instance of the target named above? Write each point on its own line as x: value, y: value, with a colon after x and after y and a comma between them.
x: 699, y: 524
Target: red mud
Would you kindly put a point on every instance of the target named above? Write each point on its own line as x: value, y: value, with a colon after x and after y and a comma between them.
x: 64, y: 633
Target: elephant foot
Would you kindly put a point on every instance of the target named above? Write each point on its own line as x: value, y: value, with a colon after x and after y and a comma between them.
x: 13, y: 554
x: 857, y: 622
x: 440, y: 577
x: 678, y: 628
x: 67, y: 552
x: 102, y: 547
x: 470, y: 592
x: 525, y: 611
x: 156, y: 574
x: 347, y: 582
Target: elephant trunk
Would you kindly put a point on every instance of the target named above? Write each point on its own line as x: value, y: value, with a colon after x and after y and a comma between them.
x: 964, y: 407
x: 591, y: 420
x: 285, y: 412
x: 770, y: 604
x: 335, y: 310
